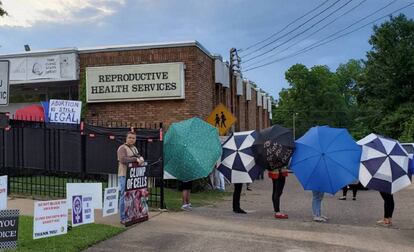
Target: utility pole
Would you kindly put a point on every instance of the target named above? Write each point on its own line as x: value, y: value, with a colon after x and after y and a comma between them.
x: 294, y: 129
x: 234, y: 69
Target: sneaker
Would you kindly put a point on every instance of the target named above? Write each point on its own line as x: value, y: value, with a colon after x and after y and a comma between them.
x: 342, y: 198
x: 384, y: 223
x: 353, y: 198
x: 248, y: 189
x: 239, y: 211
x: 325, y: 217
x: 318, y: 219
x: 186, y: 207
x: 280, y: 215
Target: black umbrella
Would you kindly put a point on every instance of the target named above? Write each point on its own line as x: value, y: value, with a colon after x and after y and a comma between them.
x: 274, y: 147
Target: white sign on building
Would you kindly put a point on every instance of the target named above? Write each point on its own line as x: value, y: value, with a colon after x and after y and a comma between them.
x: 31, y: 69
x: 135, y: 82
x: 4, y: 83
x: 65, y: 111
x: 50, y: 218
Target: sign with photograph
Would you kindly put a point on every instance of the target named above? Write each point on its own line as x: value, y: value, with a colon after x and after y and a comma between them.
x: 4, y: 83
x: 47, y: 67
x: 3, y: 192
x: 136, y: 194
x: 9, y: 224
x: 50, y: 218
x: 65, y: 111
x: 58, y: 67
x: 135, y: 82
x: 110, y: 205
x: 82, y: 210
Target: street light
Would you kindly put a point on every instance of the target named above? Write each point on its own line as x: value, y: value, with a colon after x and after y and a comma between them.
x: 293, y: 118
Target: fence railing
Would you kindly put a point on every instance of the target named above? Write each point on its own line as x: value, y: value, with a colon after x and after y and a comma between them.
x: 40, y: 157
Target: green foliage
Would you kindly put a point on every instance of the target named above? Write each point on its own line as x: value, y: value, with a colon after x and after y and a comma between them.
x: 386, y: 89
x: 173, y: 199
x: 2, y: 11
x: 374, y: 95
x: 317, y: 96
x: 82, y: 95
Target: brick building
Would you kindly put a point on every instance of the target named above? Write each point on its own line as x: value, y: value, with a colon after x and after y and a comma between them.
x: 150, y: 83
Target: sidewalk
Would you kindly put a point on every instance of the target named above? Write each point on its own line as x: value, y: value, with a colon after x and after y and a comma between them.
x: 351, y: 228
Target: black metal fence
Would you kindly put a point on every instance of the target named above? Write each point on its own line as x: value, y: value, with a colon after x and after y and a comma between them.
x: 40, y: 158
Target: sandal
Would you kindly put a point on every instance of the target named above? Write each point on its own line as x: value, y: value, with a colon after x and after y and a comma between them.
x: 384, y: 223
x: 281, y: 216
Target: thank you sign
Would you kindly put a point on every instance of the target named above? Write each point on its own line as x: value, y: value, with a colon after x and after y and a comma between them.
x: 9, y: 223
x: 50, y: 218
x: 135, y: 82
x: 65, y: 111
x: 136, y: 194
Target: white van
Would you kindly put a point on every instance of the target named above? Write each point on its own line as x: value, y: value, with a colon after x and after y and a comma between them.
x: 409, y: 147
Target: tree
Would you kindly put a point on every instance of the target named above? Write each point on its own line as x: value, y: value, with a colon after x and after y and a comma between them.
x: 315, y: 97
x: 386, y: 88
x: 2, y: 11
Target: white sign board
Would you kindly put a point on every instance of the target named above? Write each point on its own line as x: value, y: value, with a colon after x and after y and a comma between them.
x: 82, y: 210
x: 3, y: 192
x: 64, y: 111
x: 110, y: 205
x: 135, y: 82
x: 43, y: 67
x: 4, y: 83
x: 50, y: 218
x: 92, y: 189
x: 58, y: 67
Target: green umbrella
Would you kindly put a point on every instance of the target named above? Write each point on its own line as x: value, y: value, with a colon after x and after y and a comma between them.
x: 191, y: 149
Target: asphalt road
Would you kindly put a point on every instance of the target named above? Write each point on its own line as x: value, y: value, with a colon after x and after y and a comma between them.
x: 216, y: 228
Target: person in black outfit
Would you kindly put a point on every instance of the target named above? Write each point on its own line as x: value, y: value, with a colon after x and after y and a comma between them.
x: 353, y: 187
x: 278, y: 177
x: 388, y: 209
x: 236, y: 198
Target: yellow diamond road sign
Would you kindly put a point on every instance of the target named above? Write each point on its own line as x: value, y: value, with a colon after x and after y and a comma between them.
x: 221, y: 118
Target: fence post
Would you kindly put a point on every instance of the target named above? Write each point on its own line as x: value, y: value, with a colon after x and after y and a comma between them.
x: 162, y: 203
x: 83, y: 156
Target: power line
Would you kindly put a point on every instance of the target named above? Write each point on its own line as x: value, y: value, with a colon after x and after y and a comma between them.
x: 307, y: 21
x: 311, y: 47
x: 299, y: 34
x: 284, y: 28
x: 334, y: 20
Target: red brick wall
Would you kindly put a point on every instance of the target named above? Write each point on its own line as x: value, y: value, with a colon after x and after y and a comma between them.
x: 199, y: 86
x: 252, y: 107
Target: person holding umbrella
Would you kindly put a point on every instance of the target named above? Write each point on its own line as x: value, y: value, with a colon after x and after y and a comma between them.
x: 388, y: 209
x: 325, y: 160
x: 384, y: 167
x: 278, y: 177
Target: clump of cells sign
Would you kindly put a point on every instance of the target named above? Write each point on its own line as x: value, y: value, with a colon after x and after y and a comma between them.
x: 136, y: 194
x: 82, y: 210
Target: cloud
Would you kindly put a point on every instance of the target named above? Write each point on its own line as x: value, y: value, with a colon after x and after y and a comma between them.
x: 26, y: 13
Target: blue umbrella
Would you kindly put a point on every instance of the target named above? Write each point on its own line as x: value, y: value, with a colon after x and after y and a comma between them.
x: 326, y: 159
x: 237, y: 162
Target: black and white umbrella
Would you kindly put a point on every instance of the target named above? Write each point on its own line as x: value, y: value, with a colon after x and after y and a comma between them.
x: 384, y: 164
x: 237, y: 161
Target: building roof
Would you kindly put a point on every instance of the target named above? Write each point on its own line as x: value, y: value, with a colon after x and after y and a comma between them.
x: 109, y: 48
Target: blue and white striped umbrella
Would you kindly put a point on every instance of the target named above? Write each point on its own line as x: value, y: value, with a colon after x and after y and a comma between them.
x: 384, y: 164
x: 237, y: 161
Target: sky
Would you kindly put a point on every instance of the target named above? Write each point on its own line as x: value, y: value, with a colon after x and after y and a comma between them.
x: 218, y: 25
